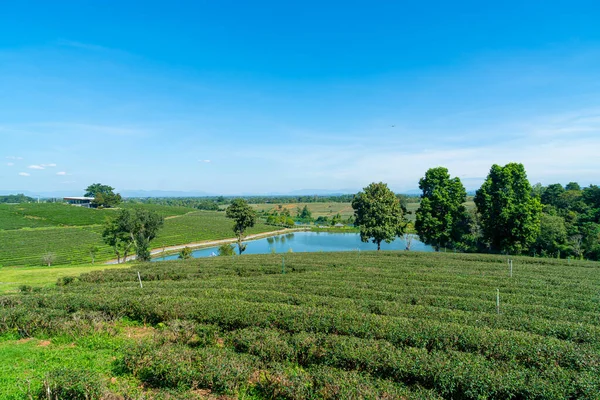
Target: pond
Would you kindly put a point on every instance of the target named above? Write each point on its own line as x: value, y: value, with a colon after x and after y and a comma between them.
x: 309, y: 242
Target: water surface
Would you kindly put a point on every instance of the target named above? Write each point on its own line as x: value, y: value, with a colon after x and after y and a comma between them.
x: 309, y: 242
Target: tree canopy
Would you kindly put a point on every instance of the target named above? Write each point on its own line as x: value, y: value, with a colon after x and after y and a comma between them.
x: 244, y: 217
x: 379, y: 214
x: 104, y: 195
x: 441, y: 219
x: 510, y: 216
x: 133, y: 229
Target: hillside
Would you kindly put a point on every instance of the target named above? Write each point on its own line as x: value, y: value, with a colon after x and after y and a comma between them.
x: 28, y: 231
x: 334, y: 325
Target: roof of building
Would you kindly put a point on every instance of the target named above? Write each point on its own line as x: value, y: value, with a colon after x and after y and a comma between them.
x: 79, y: 198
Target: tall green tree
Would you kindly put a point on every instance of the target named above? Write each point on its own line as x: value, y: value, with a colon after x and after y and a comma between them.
x: 104, y: 195
x: 133, y: 229
x: 244, y: 217
x: 441, y: 219
x: 379, y: 214
x: 552, y: 193
x: 509, y: 215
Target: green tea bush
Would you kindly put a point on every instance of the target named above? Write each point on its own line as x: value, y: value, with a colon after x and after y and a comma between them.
x: 70, y: 384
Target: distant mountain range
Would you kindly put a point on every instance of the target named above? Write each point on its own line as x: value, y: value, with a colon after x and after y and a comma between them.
x: 181, y: 193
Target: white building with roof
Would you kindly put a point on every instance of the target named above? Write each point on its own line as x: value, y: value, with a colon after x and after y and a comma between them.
x: 80, y: 201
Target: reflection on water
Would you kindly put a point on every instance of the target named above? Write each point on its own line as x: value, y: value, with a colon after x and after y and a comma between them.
x: 310, y: 242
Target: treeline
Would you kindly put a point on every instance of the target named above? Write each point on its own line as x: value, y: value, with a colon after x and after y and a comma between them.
x: 16, y: 198
x: 511, y: 216
x: 215, y: 203
x: 200, y: 203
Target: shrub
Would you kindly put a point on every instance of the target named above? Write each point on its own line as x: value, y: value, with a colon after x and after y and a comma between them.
x: 226, y: 249
x: 185, y: 253
x: 70, y: 384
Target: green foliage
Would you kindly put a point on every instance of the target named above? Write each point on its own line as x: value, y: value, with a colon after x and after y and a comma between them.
x: 552, y: 194
x: 379, y: 214
x: 133, y: 229
x: 553, y: 236
x: 226, y: 249
x: 185, y: 253
x: 304, y: 214
x: 48, y: 259
x: 244, y: 217
x: 33, y: 215
x: 387, y: 325
x: 510, y: 216
x: 103, y: 195
x: 71, y: 384
x: 441, y: 220
x: 16, y: 198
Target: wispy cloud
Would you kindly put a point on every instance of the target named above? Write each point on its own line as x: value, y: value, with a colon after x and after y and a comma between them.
x: 36, y: 167
x: 10, y: 164
x: 204, y: 161
x: 14, y: 158
x: 48, y: 165
x: 61, y: 173
x: 24, y: 174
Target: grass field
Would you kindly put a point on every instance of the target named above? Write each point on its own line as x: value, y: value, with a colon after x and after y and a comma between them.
x: 12, y: 278
x: 29, y: 231
x: 317, y: 209
x: 331, y: 209
x: 335, y: 325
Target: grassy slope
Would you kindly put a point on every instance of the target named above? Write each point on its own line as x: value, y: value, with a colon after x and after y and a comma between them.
x: 12, y: 278
x: 29, y: 231
x: 395, y: 318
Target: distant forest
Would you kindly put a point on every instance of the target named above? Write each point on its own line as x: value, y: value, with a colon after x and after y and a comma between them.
x: 16, y: 198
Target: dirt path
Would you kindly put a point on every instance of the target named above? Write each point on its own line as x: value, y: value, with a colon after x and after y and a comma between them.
x: 211, y: 243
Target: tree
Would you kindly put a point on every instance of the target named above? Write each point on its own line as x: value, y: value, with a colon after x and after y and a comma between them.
x: 133, y: 228
x: 509, y: 215
x: 226, y: 249
x: 441, y: 219
x: 48, y: 259
x: 93, y: 249
x: 118, y: 239
x: 379, y: 215
x: 573, y: 186
x: 552, y: 194
x: 185, y: 253
x: 244, y: 217
x: 104, y: 195
x: 305, y: 214
x: 552, y: 237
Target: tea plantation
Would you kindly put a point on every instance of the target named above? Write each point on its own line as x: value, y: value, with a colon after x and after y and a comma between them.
x: 346, y: 325
x: 29, y: 231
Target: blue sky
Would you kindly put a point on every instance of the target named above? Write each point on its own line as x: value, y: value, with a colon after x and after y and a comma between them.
x: 253, y: 97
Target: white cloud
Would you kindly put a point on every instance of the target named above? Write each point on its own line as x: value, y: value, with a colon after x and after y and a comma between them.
x: 35, y: 167
x: 48, y: 165
x: 204, y: 161
x: 10, y: 164
x: 24, y: 174
x: 62, y: 173
x: 14, y: 158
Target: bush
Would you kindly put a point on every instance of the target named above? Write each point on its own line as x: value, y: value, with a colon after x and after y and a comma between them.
x: 226, y: 249
x: 185, y: 253
x: 70, y: 384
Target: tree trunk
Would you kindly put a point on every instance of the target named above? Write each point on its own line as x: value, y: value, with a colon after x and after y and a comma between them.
x: 378, y: 246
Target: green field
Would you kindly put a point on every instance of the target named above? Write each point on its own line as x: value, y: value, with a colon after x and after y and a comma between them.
x: 335, y: 325
x: 317, y: 209
x: 29, y: 231
x: 331, y: 209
